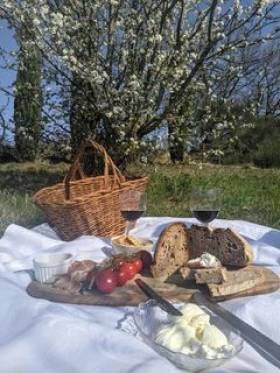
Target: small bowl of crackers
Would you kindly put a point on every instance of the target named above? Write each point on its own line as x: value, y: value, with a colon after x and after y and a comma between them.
x: 126, y: 244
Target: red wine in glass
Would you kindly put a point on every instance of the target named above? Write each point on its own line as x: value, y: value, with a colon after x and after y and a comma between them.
x: 132, y: 206
x: 205, y: 216
x: 132, y: 215
x: 205, y: 204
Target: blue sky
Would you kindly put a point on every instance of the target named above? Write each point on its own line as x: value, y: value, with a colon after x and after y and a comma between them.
x: 7, y: 77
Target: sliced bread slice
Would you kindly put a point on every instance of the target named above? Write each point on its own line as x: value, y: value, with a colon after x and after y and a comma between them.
x: 237, y: 280
x: 210, y: 275
x: 204, y: 275
x: 171, y: 252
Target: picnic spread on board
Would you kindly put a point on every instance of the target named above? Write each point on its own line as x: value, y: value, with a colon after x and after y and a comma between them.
x: 175, y: 258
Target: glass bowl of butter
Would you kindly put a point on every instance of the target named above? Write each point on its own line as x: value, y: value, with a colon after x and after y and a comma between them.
x: 196, y: 341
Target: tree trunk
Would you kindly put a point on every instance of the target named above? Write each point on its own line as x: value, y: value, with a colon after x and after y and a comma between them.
x: 175, y: 146
x: 82, y: 116
x: 87, y: 122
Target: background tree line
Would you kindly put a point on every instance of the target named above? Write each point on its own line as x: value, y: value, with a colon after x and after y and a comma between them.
x: 124, y: 72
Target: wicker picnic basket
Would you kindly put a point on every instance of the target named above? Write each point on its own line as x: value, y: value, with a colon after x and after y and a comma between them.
x: 87, y: 205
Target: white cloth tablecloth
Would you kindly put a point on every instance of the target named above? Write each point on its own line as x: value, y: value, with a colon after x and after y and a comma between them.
x: 40, y: 336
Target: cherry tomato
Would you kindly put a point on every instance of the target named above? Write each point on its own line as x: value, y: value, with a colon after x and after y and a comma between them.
x: 138, y: 264
x: 118, y: 261
x: 146, y: 258
x: 129, y: 268
x: 122, y: 277
x: 106, y: 281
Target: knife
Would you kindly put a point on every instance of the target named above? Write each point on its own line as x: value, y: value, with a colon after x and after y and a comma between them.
x: 163, y: 303
x: 260, y: 342
x: 265, y: 346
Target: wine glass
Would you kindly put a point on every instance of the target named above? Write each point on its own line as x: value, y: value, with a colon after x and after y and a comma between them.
x: 132, y: 206
x: 204, y: 204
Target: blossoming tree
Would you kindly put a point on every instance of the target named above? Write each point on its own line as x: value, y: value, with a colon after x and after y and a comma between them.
x: 121, y: 69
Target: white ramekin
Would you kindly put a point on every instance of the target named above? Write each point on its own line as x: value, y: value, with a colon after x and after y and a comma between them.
x: 48, y: 266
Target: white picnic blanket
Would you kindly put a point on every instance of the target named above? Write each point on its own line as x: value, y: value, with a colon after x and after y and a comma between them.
x: 40, y: 336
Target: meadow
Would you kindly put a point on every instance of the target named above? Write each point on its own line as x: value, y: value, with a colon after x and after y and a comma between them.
x: 248, y: 192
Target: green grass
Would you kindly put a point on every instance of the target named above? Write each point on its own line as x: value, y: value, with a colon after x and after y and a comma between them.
x: 247, y: 193
x: 17, y: 184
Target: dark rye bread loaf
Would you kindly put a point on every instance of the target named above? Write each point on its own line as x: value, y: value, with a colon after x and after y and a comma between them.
x: 228, y: 246
x: 177, y: 244
x: 171, y: 252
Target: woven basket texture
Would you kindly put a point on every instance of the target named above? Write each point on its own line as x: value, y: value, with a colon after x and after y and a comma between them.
x: 89, y: 205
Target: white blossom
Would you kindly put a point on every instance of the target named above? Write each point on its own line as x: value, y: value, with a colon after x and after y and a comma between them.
x: 136, y: 66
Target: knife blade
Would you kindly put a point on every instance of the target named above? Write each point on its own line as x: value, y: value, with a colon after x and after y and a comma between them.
x: 260, y: 342
x: 265, y: 346
x: 163, y: 303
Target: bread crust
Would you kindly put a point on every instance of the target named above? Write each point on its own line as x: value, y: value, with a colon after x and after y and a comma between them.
x: 247, y: 248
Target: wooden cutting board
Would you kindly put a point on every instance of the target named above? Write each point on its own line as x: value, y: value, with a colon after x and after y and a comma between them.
x: 131, y: 295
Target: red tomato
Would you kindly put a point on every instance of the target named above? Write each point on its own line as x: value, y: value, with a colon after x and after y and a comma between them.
x: 118, y: 261
x: 106, y: 281
x: 146, y: 258
x: 138, y: 264
x: 129, y: 268
x: 122, y: 277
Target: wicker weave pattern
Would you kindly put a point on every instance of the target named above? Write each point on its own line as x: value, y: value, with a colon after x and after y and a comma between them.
x: 90, y: 205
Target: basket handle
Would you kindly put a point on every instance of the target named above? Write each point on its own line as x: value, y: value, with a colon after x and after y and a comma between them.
x: 108, y: 165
